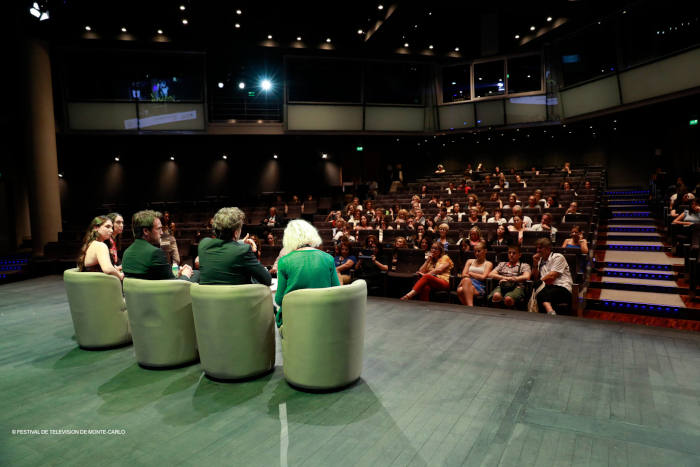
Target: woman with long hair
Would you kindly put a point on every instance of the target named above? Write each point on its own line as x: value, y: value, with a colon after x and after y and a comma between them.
x: 434, y: 274
x: 114, y: 243
x: 474, y: 276
x: 94, y: 254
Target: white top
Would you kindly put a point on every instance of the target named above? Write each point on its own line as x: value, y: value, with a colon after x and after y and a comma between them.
x: 538, y: 228
x: 527, y: 222
x: 557, y: 262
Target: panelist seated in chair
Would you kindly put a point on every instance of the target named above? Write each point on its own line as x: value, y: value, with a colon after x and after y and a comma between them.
x: 94, y: 253
x: 305, y: 266
x: 144, y: 259
x: 511, y: 276
x: 225, y: 259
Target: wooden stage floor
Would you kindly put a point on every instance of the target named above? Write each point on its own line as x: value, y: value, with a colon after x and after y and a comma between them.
x: 441, y: 385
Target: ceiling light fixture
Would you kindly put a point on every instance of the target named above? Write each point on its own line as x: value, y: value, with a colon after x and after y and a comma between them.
x: 185, y: 22
x: 328, y: 40
x: 324, y: 156
x: 360, y: 31
x: 237, y: 25
x: 380, y: 7
x: 172, y: 158
x: 517, y: 36
x: 532, y: 28
x: 160, y: 31
x: 549, y: 18
x: 116, y: 158
x: 456, y: 49
x: 88, y: 28
x: 269, y: 36
x: 38, y: 12
x: 182, y: 7
x: 430, y: 47
x: 241, y: 85
x: 224, y: 157
x: 298, y: 38
x: 274, y: 156
x: 123, y: 29
x: 221, y: 85
x: 405, y: 44
x: 239, y: 12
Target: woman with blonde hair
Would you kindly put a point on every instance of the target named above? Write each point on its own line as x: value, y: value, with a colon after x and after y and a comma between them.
x: 305, y: 266
x: 475, y: 272
x: 94, y: 254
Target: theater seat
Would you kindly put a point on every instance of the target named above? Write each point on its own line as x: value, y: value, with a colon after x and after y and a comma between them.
x: 235, y: 329
x: 97, y: 309
x: 162, y: 325
x: 323, y: 336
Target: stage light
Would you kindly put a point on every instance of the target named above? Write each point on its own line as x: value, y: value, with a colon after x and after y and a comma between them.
x: 185, y: 22
x: 239, y: 12
x: 224, y: 157
x: 456, y: 49
x: 39, y: 11
x: 517, y: 36
x: 123, y: 29
x: 405, y: 44
x: 328, y: 40
x: 172, y: 158
x: 274, y: 156
x: 160, y: 31
x: 221, y: 85
x: 241, y: 85
x: 360, y: 31
x: 549, y: 18
x: 266, y: 85
x: 182, y: 7
x: 116, y: 158
x: 532, y: 28
x: 88, y: 28
x: 237, y: 25
x: 380, y: 7
x: 269, y: 36
x: 60, y: 175
x: 324, y: 156
x: 430, y: 47
x: 298, y: 38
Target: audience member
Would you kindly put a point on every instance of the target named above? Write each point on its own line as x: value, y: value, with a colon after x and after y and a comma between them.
x: 304, y: 267
x: 442, y: 217
x: 518, y: 212
x: 94, y: 253
x: 440, y: 169
x: 344, y: 262
x: 576, y: 240
x: 434, y: 274
x: 553, y: 270
x: 144, y: 259
x: 225, y: 259
x: 273, y: 219
x: 533, y: 204
x: 497, y: 217
x: 474, y: 275
x: 545, y: 225
x: 500, y: 238
x: 689, y: 216
x: 371, y: 264
x: 168, y: 244
x: 114, y: 243
x: 442, y: 232
x: 511, y: 276
x: 518, y: 226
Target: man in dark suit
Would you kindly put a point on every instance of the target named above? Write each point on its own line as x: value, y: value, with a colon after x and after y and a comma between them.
x: 225, y: 260
x: 144, y: 259
x: 273, y: 220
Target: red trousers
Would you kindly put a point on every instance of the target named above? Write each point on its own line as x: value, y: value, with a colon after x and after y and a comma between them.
x: 427, y: 283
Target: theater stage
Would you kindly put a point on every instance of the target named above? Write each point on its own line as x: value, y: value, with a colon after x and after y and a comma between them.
x: 475, y: 387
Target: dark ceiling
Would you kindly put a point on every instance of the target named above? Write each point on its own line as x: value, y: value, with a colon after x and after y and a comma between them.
x: 475, y: 28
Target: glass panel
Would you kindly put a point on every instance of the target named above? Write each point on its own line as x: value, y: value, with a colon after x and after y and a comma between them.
x: 395, y: 83
x: 524, y: 74
x: 588, y: 54
x: 324, y: 81
x: 488, y: 79
x: 455, y: 84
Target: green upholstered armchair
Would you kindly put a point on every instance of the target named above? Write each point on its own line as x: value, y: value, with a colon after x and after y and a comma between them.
x: 324, y: 333
x: 162, y: 325
x: 235, y: 327
x: 97, y: 309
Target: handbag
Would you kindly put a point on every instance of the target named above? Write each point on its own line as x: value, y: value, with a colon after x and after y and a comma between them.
x: 532, y: 304
x: 509, y: 286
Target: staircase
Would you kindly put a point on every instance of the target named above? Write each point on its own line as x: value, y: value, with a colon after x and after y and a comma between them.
x: 633, y: 270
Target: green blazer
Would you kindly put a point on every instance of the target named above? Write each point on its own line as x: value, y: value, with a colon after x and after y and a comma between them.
x: 145, y: 261
x: 230, y: 263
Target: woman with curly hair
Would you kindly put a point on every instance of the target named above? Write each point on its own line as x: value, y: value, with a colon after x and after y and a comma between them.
x: 94, y: 254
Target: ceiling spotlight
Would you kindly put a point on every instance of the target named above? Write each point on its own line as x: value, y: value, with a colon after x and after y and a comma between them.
x: 324, y: 155
x: 224, y: 157
x: 269, y: 36
x: 160, y: 31
x: 549, y: 18
x: 430, y: 47
x: 88, y: 28
x: 172, y: 158
x: 116, y: 158
x: 185, y: 22
x: 360, y: 31
x: 328, y: 40
x: 237, y: 25
x: 299, y: 38
x: 405, y: 44
x: 182, y: 7
x: 123, y: 29
x: 221, y: 85
x: 274, y: 156
x: 532, y: 28
x: 60, y: 175
x: 239, y: 12
x: 517, y: 36
x: 241, y: 85
x: 39, y: 12
x: 380, y: 7
x: 456, y: 49
x: 266, y: 85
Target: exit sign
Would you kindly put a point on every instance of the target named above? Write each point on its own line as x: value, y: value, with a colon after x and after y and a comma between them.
x: 360, y: 148
x: 693, y: 122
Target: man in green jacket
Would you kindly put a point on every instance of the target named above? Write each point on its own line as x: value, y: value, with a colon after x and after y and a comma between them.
x: 144, y: 259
